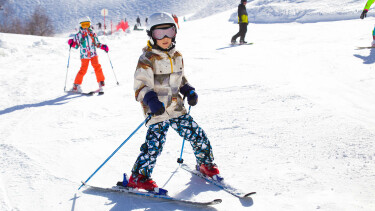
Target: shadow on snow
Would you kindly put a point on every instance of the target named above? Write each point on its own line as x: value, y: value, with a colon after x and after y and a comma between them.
x: 125, y: 202
x: 370, y: 59
x: 57, y: 101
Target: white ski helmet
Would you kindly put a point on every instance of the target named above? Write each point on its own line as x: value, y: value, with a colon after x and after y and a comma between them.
x: 84, y: 19
x: 160, y: 18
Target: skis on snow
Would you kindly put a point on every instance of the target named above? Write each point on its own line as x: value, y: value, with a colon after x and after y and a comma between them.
x: 86, y: 93
x: 367, y: 47
x: 231, y: 45
x: 155, y: 195
x: 238, y: 44
x: 219, y: 183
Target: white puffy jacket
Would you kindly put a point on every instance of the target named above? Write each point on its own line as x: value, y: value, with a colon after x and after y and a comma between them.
x: 163, y: 73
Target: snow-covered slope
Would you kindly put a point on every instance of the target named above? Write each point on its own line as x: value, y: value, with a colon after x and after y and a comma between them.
x: 290, y: 117
x: 65, y: 14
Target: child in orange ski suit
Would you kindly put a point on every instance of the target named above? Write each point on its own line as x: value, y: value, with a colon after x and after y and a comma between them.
x: 87, y: 40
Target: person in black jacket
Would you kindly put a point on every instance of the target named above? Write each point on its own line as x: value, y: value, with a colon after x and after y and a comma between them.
x: 139, y: 21
x: 243, y: 22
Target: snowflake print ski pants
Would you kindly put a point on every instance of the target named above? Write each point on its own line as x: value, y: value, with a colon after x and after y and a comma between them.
x: 187, y: 128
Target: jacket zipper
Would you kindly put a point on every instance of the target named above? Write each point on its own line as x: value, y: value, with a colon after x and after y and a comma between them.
x: 170, y: 59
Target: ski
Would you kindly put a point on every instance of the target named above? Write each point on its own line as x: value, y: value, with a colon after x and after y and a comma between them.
x: 81, y: 93
x: 238, y: 44
x: 86, y: 93
x: 154, y: 195
x: 234, y: 45
x: 368, y: 47
x: 220, y: 183
x: 93, y: 92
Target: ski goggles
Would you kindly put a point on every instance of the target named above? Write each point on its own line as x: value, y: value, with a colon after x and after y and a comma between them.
x: 85, y: 24
x: 160, y: 33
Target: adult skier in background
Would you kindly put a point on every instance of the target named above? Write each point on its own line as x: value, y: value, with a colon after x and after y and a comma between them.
x: 160, y: 86
x: 364, y: 14
x: 243, y: 22
x: 139, y: 22
x: 87, y: 41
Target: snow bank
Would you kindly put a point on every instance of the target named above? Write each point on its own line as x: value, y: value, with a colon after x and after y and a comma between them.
x: 3, y: 47
x: 266, y: 11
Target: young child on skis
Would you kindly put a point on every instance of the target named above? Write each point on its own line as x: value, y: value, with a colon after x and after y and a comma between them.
x: 159, y: 81
x: 87, y: 41
x: 364, y: 14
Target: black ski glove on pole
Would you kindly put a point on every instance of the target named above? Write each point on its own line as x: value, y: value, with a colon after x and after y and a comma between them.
x: 189, y: 92
x: 364, y: 14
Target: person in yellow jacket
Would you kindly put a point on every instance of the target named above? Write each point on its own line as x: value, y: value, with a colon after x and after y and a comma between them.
x: 364, y: 14
x: 243, y: 22
x: 367, y: 7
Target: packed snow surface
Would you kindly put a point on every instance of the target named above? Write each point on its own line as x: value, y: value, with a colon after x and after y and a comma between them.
x: 291, y: 117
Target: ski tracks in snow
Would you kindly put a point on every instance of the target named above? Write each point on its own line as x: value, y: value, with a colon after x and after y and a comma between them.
x: 307, y: 145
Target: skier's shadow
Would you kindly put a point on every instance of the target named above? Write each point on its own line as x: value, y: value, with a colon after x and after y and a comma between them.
x: 247, y: 202
x: 57, y: 101
x: 196, y: 182
x: 370, y: 59
x: 125, y: 202
x: 195, y: 186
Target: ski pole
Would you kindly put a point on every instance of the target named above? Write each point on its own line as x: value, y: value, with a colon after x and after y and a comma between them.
x: 113, y: 69
x: 113, y: 153
x: 180, y: 160
x: 67, y: 69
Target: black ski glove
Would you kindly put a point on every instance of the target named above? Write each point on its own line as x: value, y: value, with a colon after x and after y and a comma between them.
x: 156, y: 107
x: 192, y: 98
x: 189, y: 92
x: 364, y: 14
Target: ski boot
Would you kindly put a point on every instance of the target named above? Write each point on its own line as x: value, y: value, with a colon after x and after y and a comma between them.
x: 142, y: 182
x: 76, y: 88
x: 101, y: 85
x: 242, y: 42
x: 233, y: 42
x: 210, y: 170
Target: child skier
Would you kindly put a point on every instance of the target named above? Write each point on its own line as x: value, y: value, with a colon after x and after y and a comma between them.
x: 87, y: 40
x: 158, y: 80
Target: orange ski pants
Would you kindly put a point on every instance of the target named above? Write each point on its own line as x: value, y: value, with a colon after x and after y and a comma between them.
x: 85, y: 65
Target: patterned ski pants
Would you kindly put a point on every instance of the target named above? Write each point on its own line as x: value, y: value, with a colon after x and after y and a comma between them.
x: 187, y: 128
